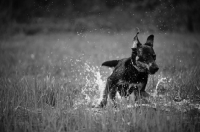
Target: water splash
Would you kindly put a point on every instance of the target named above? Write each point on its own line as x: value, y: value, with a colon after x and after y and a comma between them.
x: 91, y: 80
x: 94, y: 81
x: 163, y: 98
x: 162, y: 82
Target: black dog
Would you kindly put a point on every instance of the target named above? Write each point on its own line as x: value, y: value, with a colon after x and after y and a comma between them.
x: 131, y: 74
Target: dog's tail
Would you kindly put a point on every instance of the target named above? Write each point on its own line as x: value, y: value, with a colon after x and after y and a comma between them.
x: 112, y: 63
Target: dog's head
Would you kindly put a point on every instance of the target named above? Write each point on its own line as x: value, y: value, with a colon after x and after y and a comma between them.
x: 145, y: 55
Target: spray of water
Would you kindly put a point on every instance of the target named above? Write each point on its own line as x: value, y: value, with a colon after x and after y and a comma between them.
x: 89, y: 77
x: 161, y: 81
x: 97, y: 82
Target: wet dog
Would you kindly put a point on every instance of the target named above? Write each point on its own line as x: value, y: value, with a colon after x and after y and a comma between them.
x: 130, y: 75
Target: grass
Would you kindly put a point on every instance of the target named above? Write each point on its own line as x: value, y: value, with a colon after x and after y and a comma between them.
x: 48, y: 82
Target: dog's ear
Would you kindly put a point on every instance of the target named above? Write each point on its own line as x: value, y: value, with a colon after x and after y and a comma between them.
x: 150, y: 40
x: 136, y: 42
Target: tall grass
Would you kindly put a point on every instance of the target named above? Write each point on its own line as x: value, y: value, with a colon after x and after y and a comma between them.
x: 50, y: 83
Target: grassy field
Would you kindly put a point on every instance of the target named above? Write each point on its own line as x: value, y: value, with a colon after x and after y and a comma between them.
x: 49, y: 81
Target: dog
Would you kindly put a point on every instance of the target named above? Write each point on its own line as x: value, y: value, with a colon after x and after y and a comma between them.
x: 130, y: 75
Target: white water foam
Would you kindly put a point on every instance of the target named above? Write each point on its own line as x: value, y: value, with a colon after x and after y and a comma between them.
x: 97, y: 83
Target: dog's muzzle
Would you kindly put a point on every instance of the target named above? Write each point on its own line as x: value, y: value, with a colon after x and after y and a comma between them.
x: 152, y: 68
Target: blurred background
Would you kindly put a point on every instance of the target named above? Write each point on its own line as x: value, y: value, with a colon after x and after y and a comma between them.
x: 34, y: 16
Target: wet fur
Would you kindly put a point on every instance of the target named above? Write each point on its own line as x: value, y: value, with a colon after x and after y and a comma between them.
x: 126, y: 78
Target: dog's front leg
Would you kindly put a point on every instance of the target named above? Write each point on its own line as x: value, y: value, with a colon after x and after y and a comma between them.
x: 104, y: 98
x: 105, y: 93
x: 112, y: 95
x: 110, y: 90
